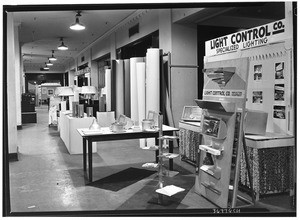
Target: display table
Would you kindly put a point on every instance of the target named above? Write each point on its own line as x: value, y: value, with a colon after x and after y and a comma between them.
x: 189, y: 140
x: 68, y: 133
x: 272, y: 162
x: 105, y: 134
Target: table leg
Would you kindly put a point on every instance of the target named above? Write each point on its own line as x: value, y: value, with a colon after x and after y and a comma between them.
x: 84, y: 153
x: 90, y: 160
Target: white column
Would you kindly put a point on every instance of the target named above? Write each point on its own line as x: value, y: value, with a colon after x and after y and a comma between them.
x: 18, y: 73
x: 11, y: 86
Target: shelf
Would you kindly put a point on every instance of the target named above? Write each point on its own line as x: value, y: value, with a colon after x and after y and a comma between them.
x: 210, y: 150
x: 166, y: 137
x: 150, y: 165
x: 216, y: 105
x: 211, y: 188
x: 168, y: 155
x: 212, y: 170
x: 153, y: 147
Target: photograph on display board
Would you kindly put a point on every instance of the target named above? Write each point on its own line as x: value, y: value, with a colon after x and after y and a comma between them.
x: 257, y: 97
x: 257, y: 72
x: 279, y: 67
x: 279, y: 92
x: 279, y: 112
x: 44, y: 90
x: 50, y: 92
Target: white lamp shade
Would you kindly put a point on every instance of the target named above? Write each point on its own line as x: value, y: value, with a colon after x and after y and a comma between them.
x: 66, y: 91
x: 57, y: 90
x: 88, y: 90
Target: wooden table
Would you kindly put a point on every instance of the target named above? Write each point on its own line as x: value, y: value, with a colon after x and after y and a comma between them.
x: 106, y: 135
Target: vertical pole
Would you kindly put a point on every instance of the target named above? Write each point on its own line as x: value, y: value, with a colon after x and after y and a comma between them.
x: 160, y: 165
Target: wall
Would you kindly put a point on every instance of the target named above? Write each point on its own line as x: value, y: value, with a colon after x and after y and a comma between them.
x: 184, y: 80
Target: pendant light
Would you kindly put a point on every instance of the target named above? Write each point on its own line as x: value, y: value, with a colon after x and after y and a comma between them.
x: 52, y: 58
x: 77, y: 26
x: 62, y: 46
x: 46, y: 67
x: 49, y: 63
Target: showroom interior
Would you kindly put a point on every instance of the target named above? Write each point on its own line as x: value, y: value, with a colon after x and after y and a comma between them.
x: 178, y: 109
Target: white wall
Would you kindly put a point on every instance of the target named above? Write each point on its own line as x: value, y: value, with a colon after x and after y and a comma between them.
x: 184, y: 81
x: 11, y: 87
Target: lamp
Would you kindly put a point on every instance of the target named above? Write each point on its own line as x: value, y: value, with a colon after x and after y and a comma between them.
x: 49, y: 63
x: 77, y: 26
x: 88, y: 90
x: 62, y: 46
x: 52, y: 58
x: 65, y: 91
x: 46, y: 67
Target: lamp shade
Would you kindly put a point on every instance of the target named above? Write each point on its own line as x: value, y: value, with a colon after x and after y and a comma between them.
x: 65, y: 91
x: 88, y: 90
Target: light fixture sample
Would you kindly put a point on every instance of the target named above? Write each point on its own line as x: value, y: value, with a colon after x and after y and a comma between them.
x: 52, y: 58
x: 77, y: 26
x: 62, y: 46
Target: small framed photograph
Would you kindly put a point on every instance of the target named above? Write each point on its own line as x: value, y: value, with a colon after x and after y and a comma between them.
x: 279, y: 92
x: 50, y: 92
x: 279, y: 112
x: 257, y: 97
x: 191, y: 113
x: 257, y: 72
x: 279, y: 68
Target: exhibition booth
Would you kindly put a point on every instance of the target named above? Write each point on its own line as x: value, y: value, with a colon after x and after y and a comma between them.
x: 228, y: 147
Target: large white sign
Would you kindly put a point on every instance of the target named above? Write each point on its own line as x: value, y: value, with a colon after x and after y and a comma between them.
x: 250, y: 38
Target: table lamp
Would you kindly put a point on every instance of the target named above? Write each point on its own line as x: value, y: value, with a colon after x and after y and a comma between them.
x: 89, y: 91
x: 65, y: 92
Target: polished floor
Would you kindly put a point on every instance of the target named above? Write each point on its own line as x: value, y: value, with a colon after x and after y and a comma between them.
x: 46, y: 178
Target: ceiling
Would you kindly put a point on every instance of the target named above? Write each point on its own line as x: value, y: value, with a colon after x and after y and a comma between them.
x: 40, y: 31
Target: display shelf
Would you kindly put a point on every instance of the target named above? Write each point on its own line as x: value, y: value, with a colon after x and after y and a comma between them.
x: 210, y: 150
x: 212, y: 170
x: 168, y: 155
x: 211, y: 188
x: 216, y: 105
x: 152, y: 148
x: 150, y: 165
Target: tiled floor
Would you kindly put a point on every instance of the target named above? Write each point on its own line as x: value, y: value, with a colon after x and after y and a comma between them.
x: 48, y: 179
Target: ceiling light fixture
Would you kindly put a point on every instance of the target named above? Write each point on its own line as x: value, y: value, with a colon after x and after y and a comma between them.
x: 62, y: 46
x: 77, y: 26
x: 49, y: 63
x: 52, y: 58
x: 46, y: 67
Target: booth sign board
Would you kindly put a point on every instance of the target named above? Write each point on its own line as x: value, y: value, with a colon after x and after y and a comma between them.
x: 254, y: 37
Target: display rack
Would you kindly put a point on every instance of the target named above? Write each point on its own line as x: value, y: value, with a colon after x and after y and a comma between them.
x: 218, y: 140
x: 164, y: 190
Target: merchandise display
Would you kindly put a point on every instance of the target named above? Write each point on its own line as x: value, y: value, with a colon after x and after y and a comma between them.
x: 220, y: 125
